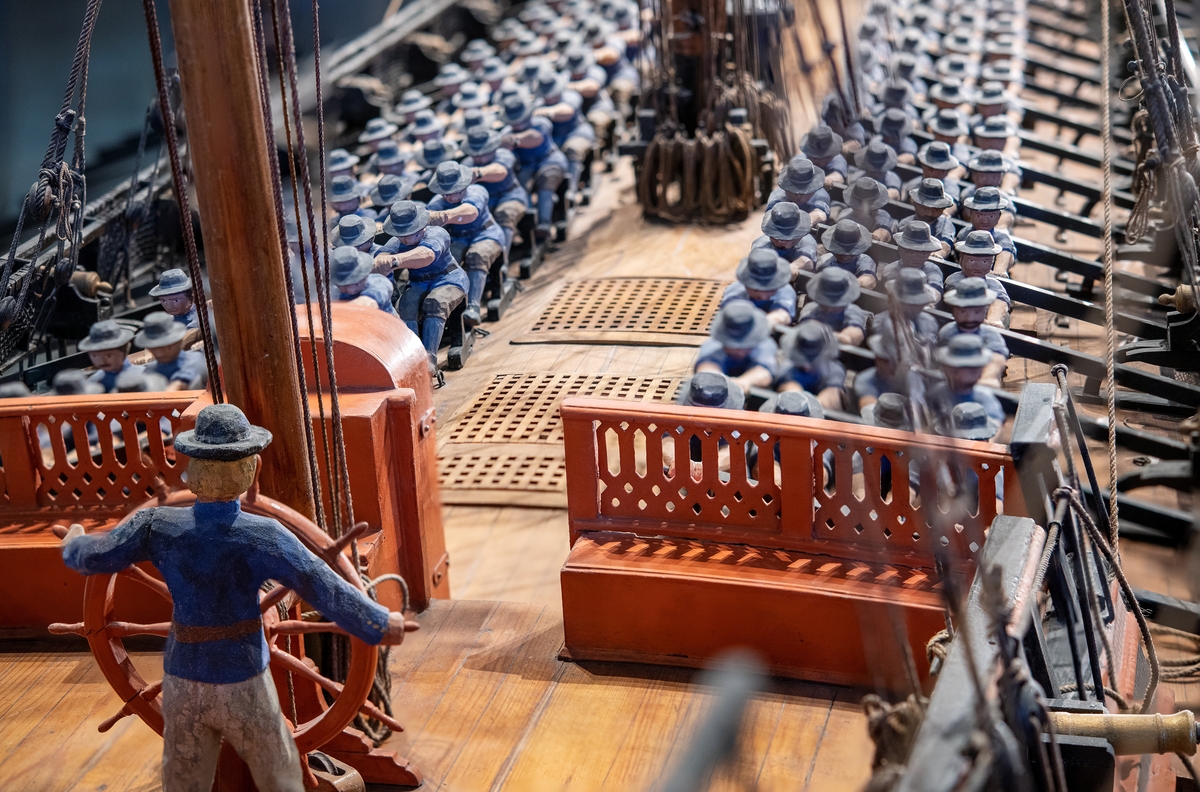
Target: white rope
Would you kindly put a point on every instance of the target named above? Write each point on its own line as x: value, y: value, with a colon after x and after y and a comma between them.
x: 1110, y: 331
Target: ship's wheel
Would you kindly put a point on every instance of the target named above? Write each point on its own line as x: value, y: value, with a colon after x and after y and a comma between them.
x: 304, y: 693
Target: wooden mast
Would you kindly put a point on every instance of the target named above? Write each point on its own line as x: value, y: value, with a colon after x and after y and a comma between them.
x: 214, y: 41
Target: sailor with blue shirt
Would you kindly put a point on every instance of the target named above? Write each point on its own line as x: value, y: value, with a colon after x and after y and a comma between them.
x: 823, y: 147
x: 107, y: 345
x: 763, y: 278
x: 877, y: 160
x: 741, y: 346
x: 915, y: 245
x: 476, y: 239
x: 895, y: 129
x: 214, y: 559
x: 351, y: 271
x: 497, y: 169
x: 802, y: 183
x: 356, y: 232
x: 163, y: 336
x: 542, y: 167
x: 949, y: 125
x: 884, y: 377
x: 936, y: 161
x: 831, y: 295
x: 570, y: 131
x: 962, y: 359
x: 840, y: 120
x: 174, y: 293
x: 990, y: 168
x: 786, y: 233
x: 912, y: 294
x: 969, y: 302
x: 345, y: 199
x: 847, y: 243
x: 387, y: 191
x: 930, y: 202
x: 436, y: 284
x: 864, y: 202
x: 812, y: 349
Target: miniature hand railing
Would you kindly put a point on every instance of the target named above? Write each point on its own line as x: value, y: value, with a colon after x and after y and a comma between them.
x: 779, y: 481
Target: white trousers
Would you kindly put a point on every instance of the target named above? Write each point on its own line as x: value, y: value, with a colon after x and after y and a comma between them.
x: 196, y: 715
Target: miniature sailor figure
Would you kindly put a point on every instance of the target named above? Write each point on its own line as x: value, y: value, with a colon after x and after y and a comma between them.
x: 475, y: 238
x: 915, y: 245
x: 847, y: 244
x: 991, y: 169
x: 140, y: 382
x: 345, y: 199
x: 865, y: 198
x: 786, y: 232
x: 340, y: 163
x: 494, y: 72
x: 412, y: 102
x: 890, y: 411
x: 895, y: 129
x: 962, y: 359
x: 937, y: 161
x: 475, y: 53
x: 351, y: 271
x: 949, y: 127
x: 505, y: 34
x: 984, y: 209
x: 1004, y: 72
x: 949, y: 94
x: 436, y: 283
x: 906, y: 66
x: 163, y: 336
x: 970, y: 421
x: 470, y: 96
x: 996, y: 133
x: 961, y: 40
x: 496, y: 166
x: 811, y: 349
x: 425, y: 126
x: 764, y: 279
x: 878, y: 160
x: 73, y: 382
x: 571, y: 132
x: 958, y: 66
x: 215, y: 558
x: 969, y: 302
x: 107, y: 345
x: 588, y: 79
x: 793, y: 402
x: 802, y: 183
x: 910, y: 290
x: 610, y: 53
x: 376, y: 132
x: 839, y: 118
x: 433, y: 152
x: 741, y: 346
x: 711, y: 389
x: 450, y: 77
x: 930, y: 202
x: 527, y: 72
x: 174, y: 293
x: 389, y: 159
x: 541, y: 164
x: 387, y: 191
x: 976, y: 255
x: 896, y: 95
x: 356, y: 232
x: 14, y: 390
x: 913, y: 43
x: 823, y: 147
x: 994, y: 100
x: 831, y: 295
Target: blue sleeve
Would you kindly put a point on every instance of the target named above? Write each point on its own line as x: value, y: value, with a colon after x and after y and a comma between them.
x: 1005, y: 242
x: 837, y: 165
x: 766, y: 355
x: 379, y: 289
x: 294, y: 566
x: 808, y: 247
x: 542, y: 124
x: 784, y: 299
x: 711, y: 351
x: 998, y: 287
x: 993, y: 340
x: 734, y: 291
x: 933, y: 276
x: 436, y: 239
x: 834, y: 376
x: 392, y: 246
x: 865, y: 265
x: 777, y: 196
x: 477, y: 196
x: 110, y: 552
x: 506, y: 158
x: 820, y: 200
x: 990, y: 403
x: 884, y: 220
x: 855, y: 317
x: 192, y: 366
x: 573, y: 98
x: 891, y: 180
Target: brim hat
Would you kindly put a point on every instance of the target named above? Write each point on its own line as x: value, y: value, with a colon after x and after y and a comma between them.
x: 412, y: 101
x: 710, y: 389
x: 105, y: 335
x: 354, y: 230
x: 159, y: 329
x: 994, y: 127
x: 846, y: 238
x: 508, y: 29
x: 451, y: 74
x: 833, y: 287
x: 389, y: 154
x: 340, y: 159
x: 222, y: 433
x: 785, y: 221
x: 494, y: 70
x: 434, y: 153
x: 73, y: 382
x: 406, y: 218
x: 801, y: 176
x: 965, y: 350
x: 969, y: 421
x: 450, y: 177
x: 952, y: 91
x: 388, y: 190
x: 883, y: 345
x: 763, y: 270
x: 345, y: 188
x: 349, y: 265
x: 172, y: 281
x: 891, y: 412
x: 377, y: 129
x: 956, y: 65
x: 577, y: 60
x: 481, y: 141
x: 549, y: 82
x: 470, y: 95
x: 894, y: 123
x: 801, y: 404
x: 821, y: 142
x: 528, y: 46
x: 866, y: 194
x: 970, y: 293
x: 910, y: 288
x: 808, y: 343
x: 425, y: 123
x: 986, y: 199
x: 988, y: 161
x: 517, y: 109
x: 993, y: 93
x: 916, y: 237
x: 960, y: 41
x: 1001, y: 71
x: 740, y: 325
x: 876, y: 156
x: 937, y: 155
x: 978, y: 243
x: 949, y: 123
x: 897, y: 94
x: 16, y: 389
x: 931, y: 193
x: 477, y: 50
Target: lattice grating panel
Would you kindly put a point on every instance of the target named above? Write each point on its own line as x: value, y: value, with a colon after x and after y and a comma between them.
x: 682, y: 306
x: 523, y: 408
x: 504, y: 470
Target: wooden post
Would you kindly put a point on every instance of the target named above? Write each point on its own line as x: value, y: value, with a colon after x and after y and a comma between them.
x: 227, y: 143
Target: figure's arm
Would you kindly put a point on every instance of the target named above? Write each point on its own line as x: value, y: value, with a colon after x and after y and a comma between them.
x: 418, y: 257
x: 586, y: 87
x: 997, y: 314
x: 830, y: 398
x: 993, y: 372
x: 756, y: 377
x: 559, y: 112
x: 530, y: 138
x: 458, y: 215
x: 850, y: 335
x: 490, y: 173
x: 111, y: 551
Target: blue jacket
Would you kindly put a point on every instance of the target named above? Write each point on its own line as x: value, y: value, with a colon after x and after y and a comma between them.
x: 189, y: 367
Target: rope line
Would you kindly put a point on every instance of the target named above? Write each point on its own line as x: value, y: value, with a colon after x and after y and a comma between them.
x: 1110, y: 332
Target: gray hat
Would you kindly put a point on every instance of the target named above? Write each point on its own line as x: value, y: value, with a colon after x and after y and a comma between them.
x: 950, y: 90
x: 833, y: 287
x: 965, y: 350
x: 103, y: 335
x: 711, y: 389
x: 897, y: 94
x: 801, y: 176
x: 937, y: 155
x: 424, y: 123
x: 450, y: 177
x: 406, y: 218
x: 389, y: 154
x: 345, y: 188
x: 986, y: 199
x: 470, y: 94
x: 846, y: 238
x: 821, y: 142
x: 876, y: 156
x: 740, y: 325
x: 960, y: 40
x: 577, y: 60
x: 866, y: 194
x: 517, y: 109
x: 474, y: 118
x: 529, y: 44
x: 412, y: 101
x: 969, y: 421
x: 494, y: 70
x: 883, y: 345
x: 14, y: 390
x: 891, y: 412
x: 978, y: 243
x: 784, y: 220
x: 173, y: 281
x: 1002, y: 71
x: 996, y: 126
x: 477, y: 50
x: 904, y: 65
x: 377, y: 129
x: 915, y: 236
x: 910, y: 288
x: 389, y: 189
x: 800, y: 403
x: 73, y: 382
x: 970, y: 293
x: 763, y: 270
x: 160, y: 329
x: 528, y: 72
x: 949, y: 122
x: 549, y: 82
x: 340, y: 159
x: 508, y: 29
x: 434, y: 152
x: 809, y: 342
x: 988, y: 161
x: 931, y: 193
x: 451, y: 74
x: 992, y: 93
x: 481, y: 141
x: 350, y: 265
x: 222, y: 433
x: 956, y: 65
x: 354, y: 230
x: 135, y: 380
x: 894, y: 123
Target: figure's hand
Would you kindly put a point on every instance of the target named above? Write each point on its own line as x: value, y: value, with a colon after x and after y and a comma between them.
x: 385, y: 263
x: 437, y: 218
x: 397, y: 626
x: 67, y: 534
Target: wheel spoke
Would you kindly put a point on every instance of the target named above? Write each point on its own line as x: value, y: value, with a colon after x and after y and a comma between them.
x: 297, y: 627
x: 149, y: 693
x: 146, y: 579
x: 273, y: 598
x: 120, y: 629
x: 297, y: 666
